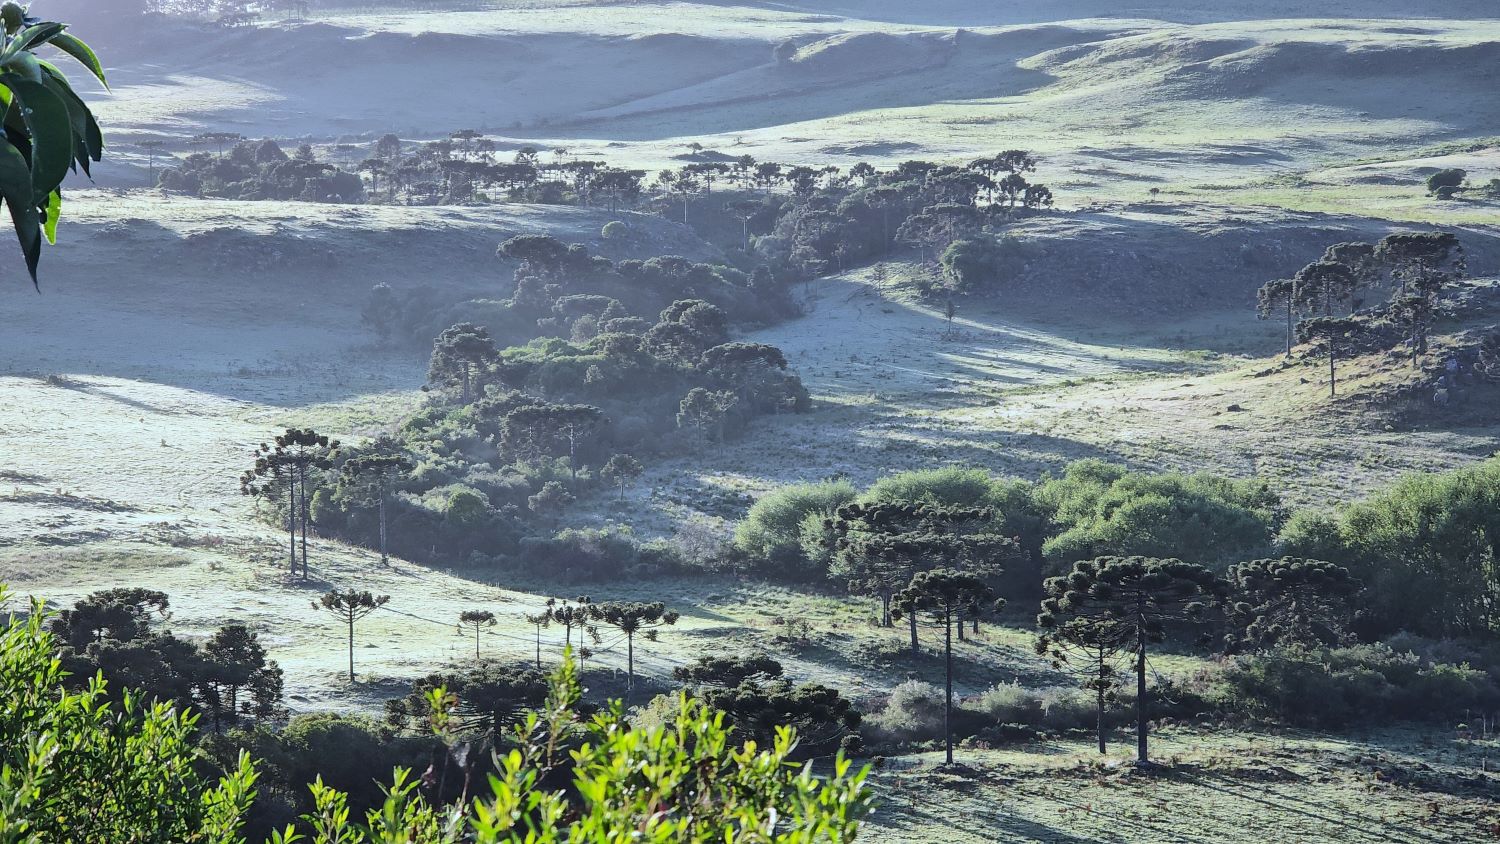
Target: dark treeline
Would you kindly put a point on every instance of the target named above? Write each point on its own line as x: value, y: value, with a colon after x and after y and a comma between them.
x: 797, y: 220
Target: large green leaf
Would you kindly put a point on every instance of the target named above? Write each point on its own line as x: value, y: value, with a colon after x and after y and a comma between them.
x: 51, y: 129
x: 25, y: 64
x: 16, y: 188
x: 81, y: 51
x: 33, y: 36
x: 88, y: 144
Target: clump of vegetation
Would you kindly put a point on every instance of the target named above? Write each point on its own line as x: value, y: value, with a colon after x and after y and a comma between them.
x: 1413, y: 270
x: 1423, y: 548
x: 1097, y: 508
x: 260, y: 170
x: 132, y: 773
x: 1337, y: 687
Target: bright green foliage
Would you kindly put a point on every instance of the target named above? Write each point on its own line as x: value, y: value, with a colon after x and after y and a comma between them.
x: 686, y: 781
x: 1101, y: 508
x: 773, y: 529
x: 950, y: 486
x: 49, y: 130
x: 1289, y: 601
x: 75, y: 767
x: 1428, y: 550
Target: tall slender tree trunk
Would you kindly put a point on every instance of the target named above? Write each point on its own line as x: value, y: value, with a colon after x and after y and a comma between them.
x: 912, y: 623
x: 1141, y: 756
x: 948, y: 677
x: 291, y: 521
x: 476, y: 643
x: 629, y: 663
x: 539, y: 647
x: 1099, y: 700
x: 385, y: 559
x: 1289, y: 325
x: 351, y: 648
x: 302, y: 494
x: 1332, y: 377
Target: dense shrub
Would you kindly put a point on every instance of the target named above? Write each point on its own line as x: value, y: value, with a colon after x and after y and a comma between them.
x: 825, y: 720
x: 950, y: 486
x: 1425, y: 547
x: 913, y: 712
x: 1100, y: 508
x: 773, y: 532
x: 596, y: 554
x: 1365, y: 683
x: 1054, y: 708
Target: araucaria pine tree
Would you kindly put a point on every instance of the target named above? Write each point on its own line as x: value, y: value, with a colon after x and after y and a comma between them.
x: 463, y: 355
x: 372, y: 475
x: 289, y: 464
x: 1141, y: 595
x: 878, y: 548
x: 946, y: 597
x: 1277, y: 298
x: 630, y: 618
x: 1320, y: 286
x: 476, y: 620
x: 235, y: 662
x: 1422, y: 263
x: 1089, y: 648
x: 577, y: 613
x: 1288, y: 601
x: 350, y: 606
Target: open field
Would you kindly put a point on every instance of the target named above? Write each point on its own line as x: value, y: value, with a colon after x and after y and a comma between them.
x: 172, y: 335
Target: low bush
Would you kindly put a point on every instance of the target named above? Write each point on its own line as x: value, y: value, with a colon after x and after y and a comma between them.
x: 1342, y: 686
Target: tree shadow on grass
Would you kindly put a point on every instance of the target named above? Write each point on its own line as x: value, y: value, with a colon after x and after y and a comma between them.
x: 1371, y: 829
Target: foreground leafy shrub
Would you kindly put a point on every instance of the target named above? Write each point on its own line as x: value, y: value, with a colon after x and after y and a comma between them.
x: 76, y: 767
x: 73, y: 768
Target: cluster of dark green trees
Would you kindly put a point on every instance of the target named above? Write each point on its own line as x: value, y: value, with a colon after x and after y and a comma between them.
x: 1451, y: 183
x: 258, y: 170
x: 1425, y: 547
x: 1323, y: 303
x: 512, y: 435
x: 117, y: 633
